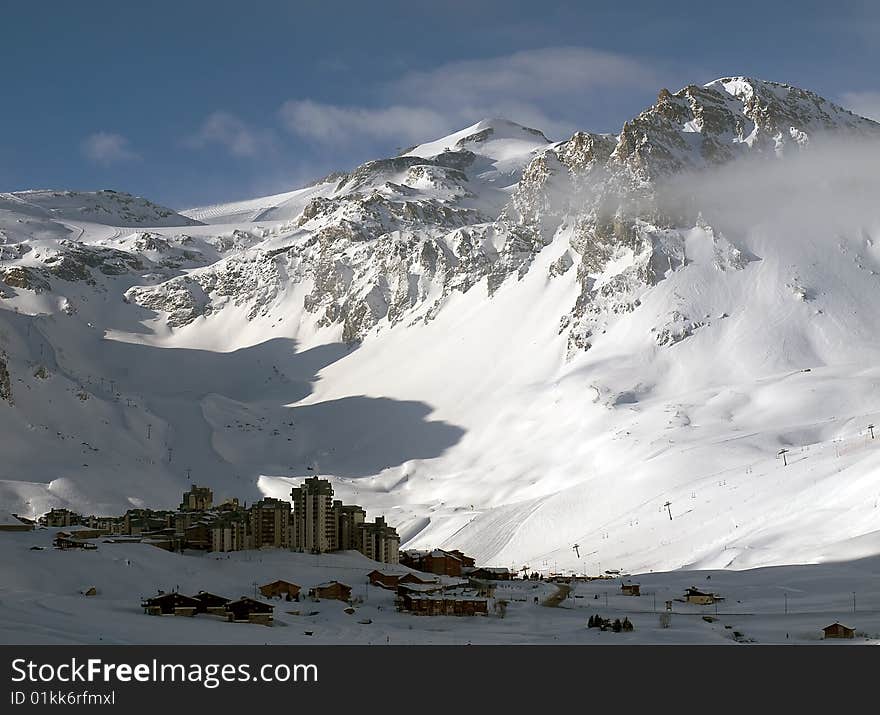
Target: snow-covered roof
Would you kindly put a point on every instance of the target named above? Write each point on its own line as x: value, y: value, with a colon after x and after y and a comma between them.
x: 8, y: 519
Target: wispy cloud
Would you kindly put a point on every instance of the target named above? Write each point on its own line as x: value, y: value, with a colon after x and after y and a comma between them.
x: 106, y: 148
x: 234, y: 135
x: 543, y: 88
x: 866, y: 103
x: 528, y: 75
x: 340, y: 124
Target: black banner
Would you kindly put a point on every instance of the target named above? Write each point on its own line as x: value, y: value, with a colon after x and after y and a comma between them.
x: 229, y: 678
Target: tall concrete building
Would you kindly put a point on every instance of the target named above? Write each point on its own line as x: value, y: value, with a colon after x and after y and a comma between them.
x: 231, y: 532
x: 347, y: 519
x: 270, y: 523
x: 380, y: 542
x: 197, y: 499
x: 314, y: 526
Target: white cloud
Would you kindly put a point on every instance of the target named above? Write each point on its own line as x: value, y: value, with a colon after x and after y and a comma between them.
x: 520, y: 86
x: 535, y: 75
x: 865, y: 103
x: 234, y: 135
x: 106, y: 148
x: 331, y: 123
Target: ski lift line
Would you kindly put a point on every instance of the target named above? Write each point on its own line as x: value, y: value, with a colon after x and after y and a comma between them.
x: 663, y: 495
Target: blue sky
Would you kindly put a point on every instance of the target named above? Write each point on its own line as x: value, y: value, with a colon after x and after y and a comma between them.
x: 195, y: 102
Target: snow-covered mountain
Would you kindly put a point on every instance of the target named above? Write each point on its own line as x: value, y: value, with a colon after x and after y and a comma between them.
x: 505, y: 344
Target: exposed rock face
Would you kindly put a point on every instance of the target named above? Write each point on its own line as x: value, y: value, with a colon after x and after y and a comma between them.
x: 32, y: 279
x: 5, y: 381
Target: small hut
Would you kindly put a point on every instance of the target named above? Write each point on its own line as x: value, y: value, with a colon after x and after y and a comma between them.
x: 249, y: 610
x: 171, y: 604
x: 281, y: 589
x: 838, y: 630
x: 332, y: 590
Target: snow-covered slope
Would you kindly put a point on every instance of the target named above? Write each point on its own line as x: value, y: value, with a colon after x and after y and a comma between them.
x: 504, y: 344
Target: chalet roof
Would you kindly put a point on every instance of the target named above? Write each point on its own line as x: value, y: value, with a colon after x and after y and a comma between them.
x: 330, y: 584
x: 838, y: 623
x: 207, y: 595
x: 419, y: 587
x: 440, y: 553
x: 694, y: 591
x: 173, y: 597
x: 7, y: 519
x: 280, y: 582
x: 448, y: 597
x: 250, y: 603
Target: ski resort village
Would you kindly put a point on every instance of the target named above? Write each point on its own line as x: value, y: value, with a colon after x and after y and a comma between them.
x: 318, y: 572
x: 491, y: 387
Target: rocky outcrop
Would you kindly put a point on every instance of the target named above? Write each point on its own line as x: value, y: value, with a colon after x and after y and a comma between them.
x: 5, y: 381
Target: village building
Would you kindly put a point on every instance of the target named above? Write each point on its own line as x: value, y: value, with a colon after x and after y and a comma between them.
x: 64, y: 541
x: 249, y: 610
x: 331, y: 590
x: 61, y: 518
x: 438, y: 561
x: 701, y: 598
x: 11, y: 522
x: 197, y: 499
x: 171, y: 604
x: 108, y: 525
x: 182, y: 520
x: 380, y: 541
x: 393, y: 580
x: 198, y: 536
x: 420, y: 588
x: 231, y: 532
x: 838, y: 630
x: 138, y: 522
x: 87, y: 533
x: 211, y: 603
x: 466, y: 561
x: 489, y: 573
x: 314, y: 525
x: 631, y: 589
x: 422, y: 604
x: 347, y: 522
x: 281, y: 589
x: 230, y: 505
x: 270, y: 523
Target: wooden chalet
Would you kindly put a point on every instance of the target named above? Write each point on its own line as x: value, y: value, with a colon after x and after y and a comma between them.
x: 631, y: 589
x: 425, y: 604
x: 438, y: 561
x: 281, y: 589
x: 249, y: 610
x: 171, y: 604
x: 211, y: 603
x: 332, y: 590
x: 466, y: 561
x: 65, y: 541
x: 701, y: 598
x: 838, y: 630
x: 392, y: 580
x: 419, y: 588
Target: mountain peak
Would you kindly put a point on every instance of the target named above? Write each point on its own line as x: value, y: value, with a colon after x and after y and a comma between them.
x: 493, y: 137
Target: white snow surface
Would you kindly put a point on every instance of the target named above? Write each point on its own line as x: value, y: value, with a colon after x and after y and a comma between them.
x: 44, y: 603
x: 469, y: 422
